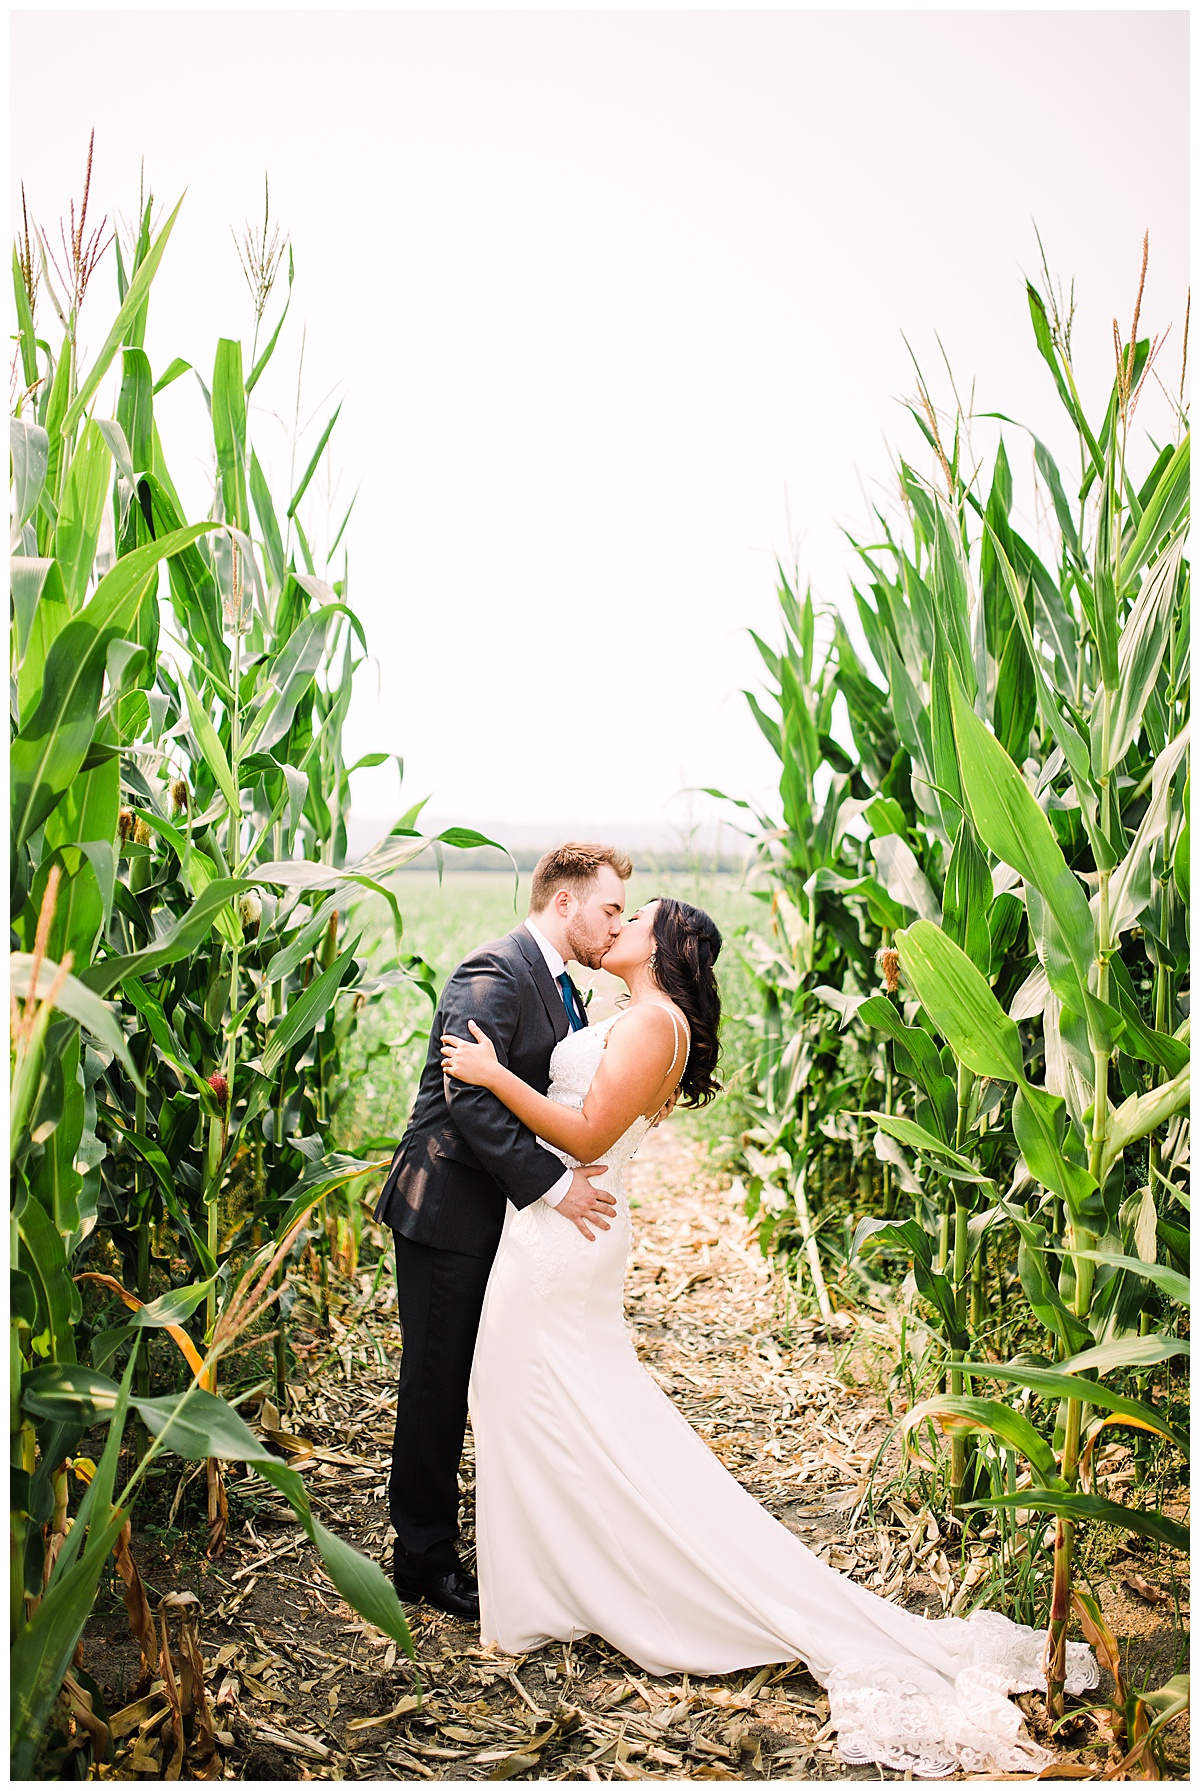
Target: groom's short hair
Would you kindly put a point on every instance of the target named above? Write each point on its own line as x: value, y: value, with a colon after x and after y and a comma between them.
x: 574, y: 867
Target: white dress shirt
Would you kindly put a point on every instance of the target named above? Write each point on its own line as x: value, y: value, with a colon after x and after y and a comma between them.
x: 555, y: 964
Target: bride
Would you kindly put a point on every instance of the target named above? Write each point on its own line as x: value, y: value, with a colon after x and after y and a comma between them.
x: 600, y: 1511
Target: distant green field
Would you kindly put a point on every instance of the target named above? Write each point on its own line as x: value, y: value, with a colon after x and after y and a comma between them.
x: 443, y: 922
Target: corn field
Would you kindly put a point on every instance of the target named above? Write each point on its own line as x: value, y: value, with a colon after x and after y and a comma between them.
x: 966, y: 1095
x: 184, y: 978
x: 973, y: 1042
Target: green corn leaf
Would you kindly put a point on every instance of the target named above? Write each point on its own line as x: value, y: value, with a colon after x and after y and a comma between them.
x: 1070, y: 741
x: 1177, y: 1287
x: 1161, y: 512
x: 1141, y: 1114
x: 337, y: 1170
x: 1041, y: 1128
x: 1138, y: 1039
x: 894, y: 1234
x: 964, y: 1416
x: 1127, y: 1352
x: 1052, y: 1383
x: 883, y: 909
x: 968, y: 897
x: 388, y: 855
x: 1009, y: 819
x: 289, y: 958
x: 197, y: 1425
x: 135, y: 408
x: 98, y: 1494
x: 305, y: 1013
x: 939, y: 1291
x: 767, y: 726
x: 51, y: 416
x: 194, y: 594
x: 209, y: 742
x: 951, y: 600
x: 910, y: 715
x: 1143, y: 642
x: 908, y: 1132
x: 1182, y: 862
x: 174, y: 1307
x: 1133, y: 883
x: 29, y: 366
x: 179, y: 940
x: 201, y: 1425
x: 947, y: 782
x: 1015, y: 703
x: 76, y: 999
x: 903, y: 877
x: 43, y: 1645
x: 1089, y: 1507
x: 1170, y: 1699
x: 342, y: 526
x: 51, y: 746
x: 915, y: 1055
x: 358, y: 1579
x: 1044, y: 338
x: 960, y: 1003
x: 69, y: 1393
x: 229, y: 431
x: 135, y: 298
x: 1106, y: 623
x: 311, y: 468
x: 29, y: 578
x: 1058, y: 497
x: 288, y: 676
x: 29, y: 446
x: 267, y: 522
x: 172, y: 373
x: 1039, y: 1287
x: 44, y: 1259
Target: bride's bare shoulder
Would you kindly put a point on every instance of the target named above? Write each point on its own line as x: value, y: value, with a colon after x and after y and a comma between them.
x: 644, y: 1025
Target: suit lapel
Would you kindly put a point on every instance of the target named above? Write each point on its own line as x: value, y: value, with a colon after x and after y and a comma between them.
x: 547, y: 988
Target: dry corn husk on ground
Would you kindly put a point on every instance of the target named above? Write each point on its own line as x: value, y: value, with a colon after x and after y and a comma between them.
x: 301, y: 1688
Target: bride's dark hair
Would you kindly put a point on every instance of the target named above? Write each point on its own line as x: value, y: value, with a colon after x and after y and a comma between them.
x: 686, y: 946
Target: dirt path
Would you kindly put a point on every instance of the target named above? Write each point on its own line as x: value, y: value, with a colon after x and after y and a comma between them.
x: 305, y: 1690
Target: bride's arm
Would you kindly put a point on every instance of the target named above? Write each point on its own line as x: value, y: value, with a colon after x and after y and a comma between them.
x: 633, y: 1078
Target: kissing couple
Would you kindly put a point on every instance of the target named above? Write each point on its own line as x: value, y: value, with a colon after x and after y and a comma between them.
x: 599, y: 1510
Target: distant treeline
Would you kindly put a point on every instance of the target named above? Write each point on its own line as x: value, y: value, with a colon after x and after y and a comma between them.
x: 486, y: 858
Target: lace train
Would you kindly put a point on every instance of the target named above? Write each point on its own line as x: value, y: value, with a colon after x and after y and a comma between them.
x: 901, y: 1714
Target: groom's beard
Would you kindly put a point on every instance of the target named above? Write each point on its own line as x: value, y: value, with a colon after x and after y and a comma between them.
x: 585, y: 950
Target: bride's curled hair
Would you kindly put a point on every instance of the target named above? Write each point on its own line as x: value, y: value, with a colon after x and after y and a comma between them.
x: 686, y: 946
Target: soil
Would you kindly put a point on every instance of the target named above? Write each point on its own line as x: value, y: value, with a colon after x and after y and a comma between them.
x: 796, y: 1409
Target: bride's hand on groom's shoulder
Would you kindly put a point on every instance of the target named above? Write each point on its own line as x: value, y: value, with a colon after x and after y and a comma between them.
x: 468, y: 1062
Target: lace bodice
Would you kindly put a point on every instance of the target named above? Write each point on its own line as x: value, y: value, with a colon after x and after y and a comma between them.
x: 572, y: 1067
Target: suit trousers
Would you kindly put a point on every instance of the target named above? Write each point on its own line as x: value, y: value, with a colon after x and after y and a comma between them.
x: 440, y: 1296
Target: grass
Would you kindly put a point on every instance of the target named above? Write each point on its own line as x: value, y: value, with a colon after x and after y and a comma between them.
x: 444, y: 920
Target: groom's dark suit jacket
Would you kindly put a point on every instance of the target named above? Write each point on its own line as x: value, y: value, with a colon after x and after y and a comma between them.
x: 464, y: 1153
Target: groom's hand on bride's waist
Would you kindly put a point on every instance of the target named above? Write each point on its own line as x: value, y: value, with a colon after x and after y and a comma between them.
x: 583, y: 1205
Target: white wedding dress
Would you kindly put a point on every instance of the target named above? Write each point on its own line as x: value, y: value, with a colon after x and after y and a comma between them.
x: 600, y: 1511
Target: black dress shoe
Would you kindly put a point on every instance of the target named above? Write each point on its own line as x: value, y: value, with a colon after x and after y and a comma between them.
x: 456, y: 1590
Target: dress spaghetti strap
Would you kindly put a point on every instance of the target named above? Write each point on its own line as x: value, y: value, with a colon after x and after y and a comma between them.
x: 675, y: 1024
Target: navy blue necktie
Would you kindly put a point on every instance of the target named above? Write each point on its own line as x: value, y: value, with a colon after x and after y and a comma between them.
x: 568, y: 994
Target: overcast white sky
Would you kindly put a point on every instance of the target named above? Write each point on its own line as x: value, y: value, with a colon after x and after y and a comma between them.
x: 616, y: 304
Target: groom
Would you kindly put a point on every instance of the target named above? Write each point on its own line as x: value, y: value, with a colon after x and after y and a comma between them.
x: 463, y: 1156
